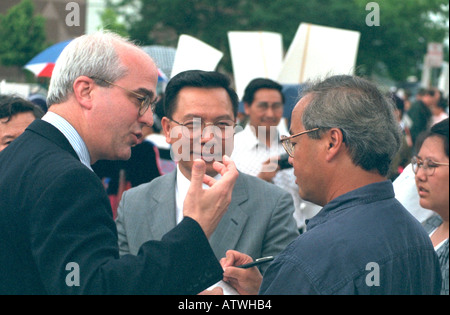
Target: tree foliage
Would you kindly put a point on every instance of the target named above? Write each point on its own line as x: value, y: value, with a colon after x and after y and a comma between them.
x: 110, y: 22
x: 22, y: 34
x: 398, y: 44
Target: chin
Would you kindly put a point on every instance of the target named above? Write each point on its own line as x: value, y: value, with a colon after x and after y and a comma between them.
x: 123, y: 156
x: 425, y: 204
x: 210, y: 171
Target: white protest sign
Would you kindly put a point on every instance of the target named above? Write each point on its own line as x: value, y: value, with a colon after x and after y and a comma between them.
x: 255, y: 55
x: 318, y: 51
x: 193, y: 54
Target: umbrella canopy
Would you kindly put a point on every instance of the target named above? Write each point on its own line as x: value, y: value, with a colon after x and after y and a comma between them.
x: 42, y: 64
x: 162, y: 76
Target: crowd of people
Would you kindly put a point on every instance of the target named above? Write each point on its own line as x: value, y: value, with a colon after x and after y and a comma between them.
x: 82, y: 183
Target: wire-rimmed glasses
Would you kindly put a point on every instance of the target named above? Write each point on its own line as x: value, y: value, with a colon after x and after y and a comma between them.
x: 287, y: 143
x: 428, y: 165
x: 146, y: 100
x: 194, y: 128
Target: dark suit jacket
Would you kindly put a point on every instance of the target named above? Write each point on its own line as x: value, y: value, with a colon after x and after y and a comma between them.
x: 54, y: 212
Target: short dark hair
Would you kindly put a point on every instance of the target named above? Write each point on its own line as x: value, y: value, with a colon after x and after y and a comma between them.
x: 200, y: 79
x: 258, y: 84
x: 11, y: 105
x: 441, y: 130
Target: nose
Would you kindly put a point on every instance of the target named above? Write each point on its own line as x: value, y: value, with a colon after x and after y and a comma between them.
x: 270, y: 112
x: 147, y: 118
x: 421, y: 174
x: 208, y: 133
x: 291, y: 160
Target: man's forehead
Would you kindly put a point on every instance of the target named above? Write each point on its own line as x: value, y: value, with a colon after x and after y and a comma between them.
x: 297, y: 114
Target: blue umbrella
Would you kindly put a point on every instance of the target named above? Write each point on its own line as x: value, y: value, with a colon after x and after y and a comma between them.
x: 42, y: 64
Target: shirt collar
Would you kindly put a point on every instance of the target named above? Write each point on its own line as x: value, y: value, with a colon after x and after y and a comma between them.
x: 358, y: 197
x: 181, y: 190
x: 72, y: 136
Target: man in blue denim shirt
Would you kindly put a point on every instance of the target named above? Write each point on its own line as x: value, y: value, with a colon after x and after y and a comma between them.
x: 363, y: 241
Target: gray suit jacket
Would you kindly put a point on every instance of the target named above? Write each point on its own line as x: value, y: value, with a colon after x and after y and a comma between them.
x: 259, y: 220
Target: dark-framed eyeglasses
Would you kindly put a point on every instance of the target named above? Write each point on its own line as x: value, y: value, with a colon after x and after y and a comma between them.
x: 287, y: 143
x: 193, y: 128
x: 146, y: 101
x: 427, y: 165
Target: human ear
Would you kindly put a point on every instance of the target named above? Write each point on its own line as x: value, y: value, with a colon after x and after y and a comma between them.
x: 335, y: 141
x: 247, y: 109
x: 165, y: 123
x: 82, y: 90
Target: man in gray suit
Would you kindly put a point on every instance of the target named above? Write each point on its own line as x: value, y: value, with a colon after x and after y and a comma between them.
x: 200, y: 109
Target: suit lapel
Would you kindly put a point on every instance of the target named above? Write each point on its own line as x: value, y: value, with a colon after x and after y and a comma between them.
x: 161, y: 209
x: 231, y: 226
x: 50, y: 132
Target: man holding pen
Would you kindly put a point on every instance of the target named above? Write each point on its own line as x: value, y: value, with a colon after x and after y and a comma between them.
x: 343, y: 138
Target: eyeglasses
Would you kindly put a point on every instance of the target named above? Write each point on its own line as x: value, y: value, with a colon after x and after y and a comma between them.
x: 146, y: 100
x: 427, y: 165
x: 287, y: 143
x: 194, y: 128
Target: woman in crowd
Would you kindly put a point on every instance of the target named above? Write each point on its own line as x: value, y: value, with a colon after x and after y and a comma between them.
x: 431, y: 166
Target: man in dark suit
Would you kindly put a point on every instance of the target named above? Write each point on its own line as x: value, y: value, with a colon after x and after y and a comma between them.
x: 57, y: 232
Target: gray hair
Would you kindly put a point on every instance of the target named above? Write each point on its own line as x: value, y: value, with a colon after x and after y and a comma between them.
x: 91, y: 55
x: 364, y: 115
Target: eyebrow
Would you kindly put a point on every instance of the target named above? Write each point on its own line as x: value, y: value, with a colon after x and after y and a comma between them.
x: 432, y: 159
x: 145, y: 92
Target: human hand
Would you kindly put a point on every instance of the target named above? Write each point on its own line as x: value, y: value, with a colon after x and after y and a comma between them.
x: 207, y: 206
x: 245, y: 281
x: 269, y: 169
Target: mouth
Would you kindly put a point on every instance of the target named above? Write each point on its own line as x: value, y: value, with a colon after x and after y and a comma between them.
x: 422, y: 191
x: 207, y: 157
x: 138, y: 138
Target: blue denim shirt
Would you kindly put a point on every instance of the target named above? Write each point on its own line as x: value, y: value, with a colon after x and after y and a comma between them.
x: 363, y: 242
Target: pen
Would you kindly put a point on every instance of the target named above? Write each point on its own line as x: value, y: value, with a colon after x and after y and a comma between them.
x: 257, y: 262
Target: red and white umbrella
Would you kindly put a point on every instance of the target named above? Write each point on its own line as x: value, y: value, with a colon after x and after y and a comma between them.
x: 42, y: 64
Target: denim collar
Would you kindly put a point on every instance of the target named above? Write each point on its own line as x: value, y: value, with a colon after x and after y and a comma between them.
x: 360, y: 196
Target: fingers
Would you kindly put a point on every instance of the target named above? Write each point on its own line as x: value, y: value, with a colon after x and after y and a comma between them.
x: 227, y: 166
x: 228, y: 260
x: 207, y: 206
x: 198, y: 173
x: 235, y: 258
x: 245, y: 281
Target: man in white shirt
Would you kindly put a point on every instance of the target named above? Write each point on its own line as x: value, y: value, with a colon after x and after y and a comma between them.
x: 257, y: 148
x: 200, y: 114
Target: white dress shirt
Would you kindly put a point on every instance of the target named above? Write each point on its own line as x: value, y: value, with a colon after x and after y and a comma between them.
x: 72, y: 136
x: 181, y: 191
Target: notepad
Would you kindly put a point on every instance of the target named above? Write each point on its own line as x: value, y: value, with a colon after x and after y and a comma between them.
x: 227, y: 289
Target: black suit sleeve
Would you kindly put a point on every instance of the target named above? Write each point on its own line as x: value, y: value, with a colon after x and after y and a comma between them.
x: 71, y: 225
